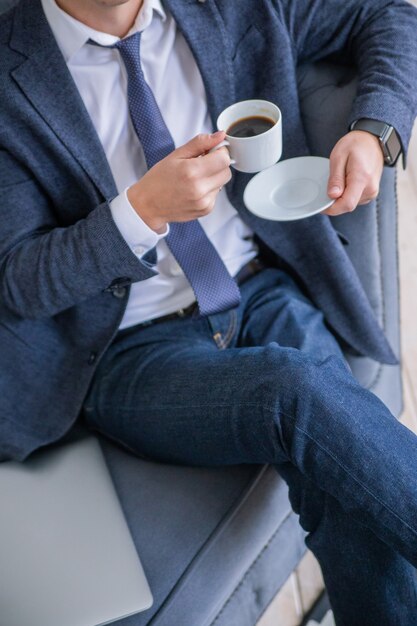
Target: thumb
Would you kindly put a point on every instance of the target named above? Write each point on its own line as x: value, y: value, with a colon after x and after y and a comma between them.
x: 200, y: 144
x: 337, y: 178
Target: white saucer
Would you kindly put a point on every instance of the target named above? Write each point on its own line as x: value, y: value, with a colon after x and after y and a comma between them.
x: 290, y: 190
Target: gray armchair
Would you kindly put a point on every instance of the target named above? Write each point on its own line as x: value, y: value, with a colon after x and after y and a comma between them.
x: 217, y: 544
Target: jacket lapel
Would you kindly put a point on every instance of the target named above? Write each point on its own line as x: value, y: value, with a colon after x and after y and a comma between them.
x: 46, y: 82
x: 203, y: 28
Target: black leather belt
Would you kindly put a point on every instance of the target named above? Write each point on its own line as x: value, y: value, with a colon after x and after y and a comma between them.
x: 250, y: 269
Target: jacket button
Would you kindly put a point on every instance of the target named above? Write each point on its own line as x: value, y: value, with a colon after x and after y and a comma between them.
x: 119, y: 292
x: 92, y: 358
x: 118, y: 288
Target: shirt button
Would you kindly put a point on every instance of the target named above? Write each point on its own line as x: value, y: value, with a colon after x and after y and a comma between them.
x: 139, y: 250
x: 92, y: 358
x: 176, y: 270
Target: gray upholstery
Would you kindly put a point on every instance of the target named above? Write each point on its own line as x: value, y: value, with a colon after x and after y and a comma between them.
x: 217, y: 544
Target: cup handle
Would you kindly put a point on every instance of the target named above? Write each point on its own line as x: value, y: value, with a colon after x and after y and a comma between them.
x: 221, y: 145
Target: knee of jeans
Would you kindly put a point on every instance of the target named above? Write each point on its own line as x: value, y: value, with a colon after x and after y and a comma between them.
x: 290, y: 373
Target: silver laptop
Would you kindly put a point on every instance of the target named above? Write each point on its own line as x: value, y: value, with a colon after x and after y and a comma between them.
x: 66, y: 555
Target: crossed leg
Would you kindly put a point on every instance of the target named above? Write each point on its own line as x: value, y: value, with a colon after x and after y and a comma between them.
x: 267, y: 384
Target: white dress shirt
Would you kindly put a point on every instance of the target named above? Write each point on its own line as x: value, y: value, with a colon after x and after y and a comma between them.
x: 172, y: 74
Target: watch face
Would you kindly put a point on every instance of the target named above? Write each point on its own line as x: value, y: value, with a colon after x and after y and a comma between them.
x: 393, y: 147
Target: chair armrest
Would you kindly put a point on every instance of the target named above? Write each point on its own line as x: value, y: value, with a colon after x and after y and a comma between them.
x: 326, y: 93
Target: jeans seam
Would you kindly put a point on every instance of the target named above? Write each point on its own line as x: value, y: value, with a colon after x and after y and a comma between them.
x: 231, y: 330
x: 106, y: 406
x: 359, y: 482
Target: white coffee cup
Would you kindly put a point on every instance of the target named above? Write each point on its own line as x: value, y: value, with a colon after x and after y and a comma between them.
x: 252, y: 154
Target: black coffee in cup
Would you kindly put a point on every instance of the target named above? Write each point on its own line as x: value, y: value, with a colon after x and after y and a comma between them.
x: 250, y: 126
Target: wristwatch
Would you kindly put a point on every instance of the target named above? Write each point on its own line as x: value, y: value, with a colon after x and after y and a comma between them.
x: 387, y: 135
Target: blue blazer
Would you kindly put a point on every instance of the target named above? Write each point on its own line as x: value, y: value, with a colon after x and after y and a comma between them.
x: 65, y: 268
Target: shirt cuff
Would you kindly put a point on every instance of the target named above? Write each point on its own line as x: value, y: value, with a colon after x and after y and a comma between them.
x: 138, y: 236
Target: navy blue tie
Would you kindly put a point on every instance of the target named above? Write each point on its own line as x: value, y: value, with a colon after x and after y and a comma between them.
x: 214, y: 288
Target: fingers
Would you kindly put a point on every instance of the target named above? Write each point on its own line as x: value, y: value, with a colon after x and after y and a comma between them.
x: 336, y: 183
x: 200, y: 176
x: 215, y: 162
x: 355, y: 172
x: 199, y: 145
x: 370, y: 191
x: 205, y: 174
x: 214, y: 183
x: 360, y: 188
x: 208, y: 190
x: 350, y: 199
x: 207, y: 186
x: 204, y: 205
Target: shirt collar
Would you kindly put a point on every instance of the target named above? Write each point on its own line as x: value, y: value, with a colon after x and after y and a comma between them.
x: 71, y: 35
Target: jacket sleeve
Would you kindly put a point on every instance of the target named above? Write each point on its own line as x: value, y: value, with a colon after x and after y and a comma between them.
x: 378, y: 36
x: 44, y: 268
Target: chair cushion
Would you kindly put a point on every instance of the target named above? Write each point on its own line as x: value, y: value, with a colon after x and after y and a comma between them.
x: 216, y: 544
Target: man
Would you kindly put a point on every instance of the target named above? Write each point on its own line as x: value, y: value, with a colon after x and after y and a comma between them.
x: 121, y: 235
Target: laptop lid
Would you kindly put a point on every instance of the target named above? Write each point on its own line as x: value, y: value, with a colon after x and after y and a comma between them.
x: 66, y: 554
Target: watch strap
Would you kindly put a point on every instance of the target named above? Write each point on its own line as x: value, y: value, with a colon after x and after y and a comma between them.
x: 387, y: 135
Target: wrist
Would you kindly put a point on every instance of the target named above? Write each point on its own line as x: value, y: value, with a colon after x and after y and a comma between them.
x: 389, y: 141
x: 371, y: 140
x: 143, y: 206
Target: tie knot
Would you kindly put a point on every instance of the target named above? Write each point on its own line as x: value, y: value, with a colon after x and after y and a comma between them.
x: 130, y: 44
x: 129, y: 48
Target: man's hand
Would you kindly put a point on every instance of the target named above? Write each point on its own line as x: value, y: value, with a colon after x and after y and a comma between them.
x: 356, y: 165
x: 184, y: 185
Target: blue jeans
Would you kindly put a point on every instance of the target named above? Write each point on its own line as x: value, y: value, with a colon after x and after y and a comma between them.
x: 267, y: 383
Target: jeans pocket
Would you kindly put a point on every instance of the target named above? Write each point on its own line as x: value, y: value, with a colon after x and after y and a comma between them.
x: 224, y: 329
